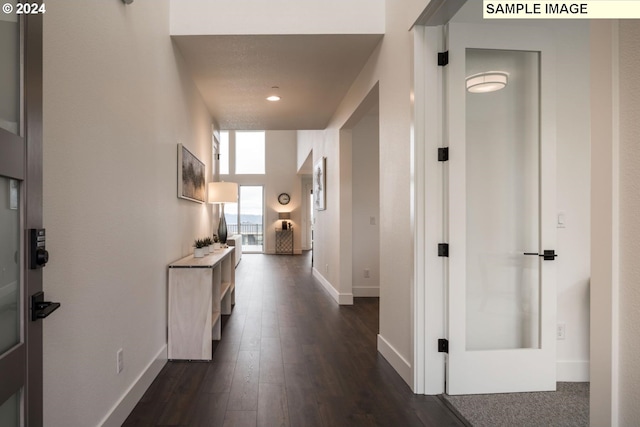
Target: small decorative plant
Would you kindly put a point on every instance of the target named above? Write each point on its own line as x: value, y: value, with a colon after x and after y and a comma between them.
x: 199, y: 244
x: 216, y: 239
x: 208, y: 248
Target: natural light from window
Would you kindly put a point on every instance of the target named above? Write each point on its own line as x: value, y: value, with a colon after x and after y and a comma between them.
x: 224, y: 152
x: 250, y: 149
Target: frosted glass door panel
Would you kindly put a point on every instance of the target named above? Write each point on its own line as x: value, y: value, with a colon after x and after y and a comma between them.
x: 9, y: 71
x: 9, y: 264
x: 10, y: 412
x: 502, y: 203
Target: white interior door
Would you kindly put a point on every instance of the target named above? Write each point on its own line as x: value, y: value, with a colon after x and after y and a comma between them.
x: 501, y: 210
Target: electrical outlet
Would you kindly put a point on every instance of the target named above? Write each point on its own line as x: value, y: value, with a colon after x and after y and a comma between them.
x: 119, y: 361
x: 366, y: 273
x: 326, y: 268
x: 561, y: 331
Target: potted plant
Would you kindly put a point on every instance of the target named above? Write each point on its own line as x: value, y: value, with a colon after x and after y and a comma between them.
x: 216, y: 242
x: 199, y: 251
x: 208, y: 245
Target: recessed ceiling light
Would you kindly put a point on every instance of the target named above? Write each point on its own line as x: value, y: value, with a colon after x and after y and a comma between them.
x: 274, y: 97
x: 489, y: 81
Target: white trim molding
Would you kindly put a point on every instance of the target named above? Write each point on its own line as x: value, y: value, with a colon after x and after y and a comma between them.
x: 395, y: 359
x: 340, y: 298
x: 366, y: 291
x: 428, y: 276
x: 121, y: 410
x: 572, y: 371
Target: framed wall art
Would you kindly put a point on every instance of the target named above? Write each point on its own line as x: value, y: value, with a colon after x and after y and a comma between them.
x: 319, y: 184
x: 191, y: 176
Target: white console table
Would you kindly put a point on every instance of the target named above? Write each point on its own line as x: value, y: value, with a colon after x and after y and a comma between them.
x: 236, y: 242
x: 200, y: 290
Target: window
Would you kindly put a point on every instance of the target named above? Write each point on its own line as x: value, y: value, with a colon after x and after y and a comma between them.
x: 224, y: 152
x: 246, y: 217
x: 250, y: 157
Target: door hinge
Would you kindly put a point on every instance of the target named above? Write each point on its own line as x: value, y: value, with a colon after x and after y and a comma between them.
x: 443, y: 345
x: 443, y: 154
x: 443, y: 249
x: 443, y: 58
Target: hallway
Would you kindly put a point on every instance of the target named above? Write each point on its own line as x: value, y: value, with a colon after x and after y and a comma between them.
x: 289, y: 356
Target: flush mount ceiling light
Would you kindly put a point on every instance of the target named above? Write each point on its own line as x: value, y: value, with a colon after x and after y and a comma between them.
x: 274, y: 97
x: 489, y: 81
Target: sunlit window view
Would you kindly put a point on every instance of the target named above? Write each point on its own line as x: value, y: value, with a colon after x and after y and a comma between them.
x: 224, y: 152
x: 246, y: 217
x: 250, y: 149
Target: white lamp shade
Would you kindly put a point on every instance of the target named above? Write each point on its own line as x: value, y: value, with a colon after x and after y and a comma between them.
x: 487, y: 82
x: 222, y: 192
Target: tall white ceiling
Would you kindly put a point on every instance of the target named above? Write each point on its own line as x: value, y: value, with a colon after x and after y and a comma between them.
x: 235, y: 73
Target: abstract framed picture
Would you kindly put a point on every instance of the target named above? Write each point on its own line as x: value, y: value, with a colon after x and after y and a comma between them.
x: 191, y: 176
x: 319, y: 185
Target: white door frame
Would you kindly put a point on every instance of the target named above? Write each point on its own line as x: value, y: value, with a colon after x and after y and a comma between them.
x: 428, y: 175
x: 605, y: 284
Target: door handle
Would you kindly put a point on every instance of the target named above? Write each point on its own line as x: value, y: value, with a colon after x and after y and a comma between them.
x: 41, y: 308
x: 547, y: 254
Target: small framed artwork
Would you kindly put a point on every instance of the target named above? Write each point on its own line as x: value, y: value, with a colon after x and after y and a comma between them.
x: 191, y: 176
x: 319, y: 184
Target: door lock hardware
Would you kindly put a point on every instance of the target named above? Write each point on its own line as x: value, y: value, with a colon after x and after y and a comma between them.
x: 41, y: 308
x: 547, y: 254
x: 38, y: 254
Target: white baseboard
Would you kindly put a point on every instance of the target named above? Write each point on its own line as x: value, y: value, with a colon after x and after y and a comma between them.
x: 572, y: 371
x: 395, y: 359
x: 366, y: 291
x: 121, y: 410
x: 341, y: 299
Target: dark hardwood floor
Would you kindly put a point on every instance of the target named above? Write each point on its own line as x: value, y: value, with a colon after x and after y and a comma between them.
x: 289, y: 356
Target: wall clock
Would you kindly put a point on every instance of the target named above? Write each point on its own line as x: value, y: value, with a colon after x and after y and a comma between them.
x: 284, y: 198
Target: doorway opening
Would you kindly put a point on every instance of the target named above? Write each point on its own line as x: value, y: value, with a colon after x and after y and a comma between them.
x: 360, y: 199
x: 247, y: 218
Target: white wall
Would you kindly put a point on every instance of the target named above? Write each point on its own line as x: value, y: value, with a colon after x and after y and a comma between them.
x: 390, y: 64
x: 303, y: 150
x: 365, y: 206
x: 284, y: 17
x: 573, y: 107
x: 280, y: 177
x: 615, y: 321
x: 629, y: 315
x: 116, y: 104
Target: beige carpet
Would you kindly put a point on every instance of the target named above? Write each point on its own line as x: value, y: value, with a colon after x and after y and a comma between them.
x: 566, y: 407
